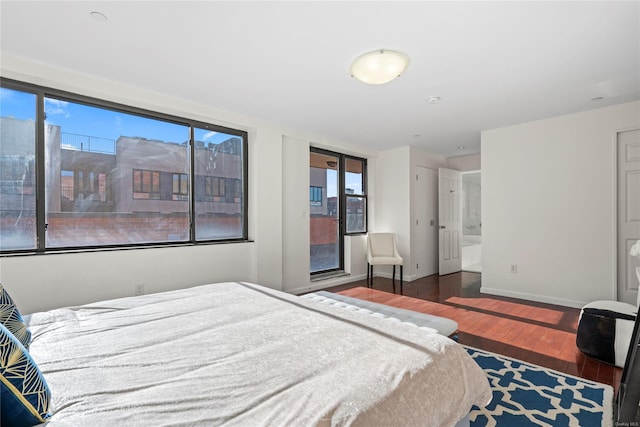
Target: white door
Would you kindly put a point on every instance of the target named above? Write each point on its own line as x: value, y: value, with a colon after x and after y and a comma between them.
x: 628, y: 213
x: 426, y: 220
x: 450, y: 221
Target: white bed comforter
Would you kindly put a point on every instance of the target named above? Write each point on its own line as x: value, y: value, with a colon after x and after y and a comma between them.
x: 238, y: 354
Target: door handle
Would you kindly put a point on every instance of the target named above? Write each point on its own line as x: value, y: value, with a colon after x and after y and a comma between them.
x: 442, y: 227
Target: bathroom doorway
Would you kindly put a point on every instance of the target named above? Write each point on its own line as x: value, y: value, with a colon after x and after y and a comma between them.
x: 471, y: 221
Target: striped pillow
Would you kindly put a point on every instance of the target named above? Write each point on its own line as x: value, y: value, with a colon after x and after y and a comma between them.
x: 25, y: 394
x: 12, y: 320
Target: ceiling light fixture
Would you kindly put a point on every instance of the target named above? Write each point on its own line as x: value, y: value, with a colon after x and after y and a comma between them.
x: 433, y: 99
x: 380, y: 66
x: 98, y: 16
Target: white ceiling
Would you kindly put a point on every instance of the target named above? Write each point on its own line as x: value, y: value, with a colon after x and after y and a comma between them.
x: 493, y: 63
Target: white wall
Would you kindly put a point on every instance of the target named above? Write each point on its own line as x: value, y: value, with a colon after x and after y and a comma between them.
x: 276, y: 256
x: 295, y: 214
x: 395, y: 190
x: 393, y: 212
x: 266, y: 176
x: 41, y: 282
x: 548, y: 205
x: 465, y: 163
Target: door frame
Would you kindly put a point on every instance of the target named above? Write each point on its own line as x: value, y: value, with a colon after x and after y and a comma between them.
x: 431, y: 268
x: 339, y: 211
x: 462, y: 174
x: 453, y: 264
x: 615, y: 227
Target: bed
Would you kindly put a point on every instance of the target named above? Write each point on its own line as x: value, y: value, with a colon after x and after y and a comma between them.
x: 239, y: 354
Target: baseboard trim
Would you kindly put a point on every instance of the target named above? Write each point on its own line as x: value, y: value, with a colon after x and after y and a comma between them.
x: 322, y: 283
x: 317, y: 285
x: 533, y: 297
x: 387, y: 275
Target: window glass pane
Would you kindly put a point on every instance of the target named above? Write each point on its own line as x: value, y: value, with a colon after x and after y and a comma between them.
x: 218, y: 160
x: 325, y: 234
x: 184, y: 184
x: 109, y: 177
x: 356, y: 214
x: 315, y: 196
x: 354, y: 176
x: 17, y: 170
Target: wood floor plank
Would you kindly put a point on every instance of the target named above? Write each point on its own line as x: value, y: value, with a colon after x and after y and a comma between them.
x: 538, y: 333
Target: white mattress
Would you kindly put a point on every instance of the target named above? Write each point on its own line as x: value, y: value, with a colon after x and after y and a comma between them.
x: 238, y: 354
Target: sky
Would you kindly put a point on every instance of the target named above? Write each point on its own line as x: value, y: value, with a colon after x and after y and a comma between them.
x: 85, y: 120
x: 97, y: 122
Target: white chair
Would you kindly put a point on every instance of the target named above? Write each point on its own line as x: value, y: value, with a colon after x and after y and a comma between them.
x: 382, y: 250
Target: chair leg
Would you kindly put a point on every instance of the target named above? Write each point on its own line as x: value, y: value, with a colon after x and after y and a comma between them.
x: 401, y: 292
x: 393, y: 278
x: 368, y: 268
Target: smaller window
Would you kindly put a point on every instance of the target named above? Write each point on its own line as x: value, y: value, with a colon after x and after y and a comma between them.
x: 146, y: 184
x: 355, y: 195
x: 80, y: 182
x: 214, y: 186
x: 315, y: 196
x: 67, y: 185
x: 218, y: 187
x: 180, y: 186
x: 356, y: 214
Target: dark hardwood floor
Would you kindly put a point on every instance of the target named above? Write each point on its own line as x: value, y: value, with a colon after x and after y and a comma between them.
x: 542, y: 334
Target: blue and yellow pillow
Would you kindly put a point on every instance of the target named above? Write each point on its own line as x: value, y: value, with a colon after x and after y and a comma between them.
x: 11, y: 318
x: 24, y: 394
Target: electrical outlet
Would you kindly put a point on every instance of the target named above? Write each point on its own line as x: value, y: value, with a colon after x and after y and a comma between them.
x: 138, y: 289
x: 514, y: 268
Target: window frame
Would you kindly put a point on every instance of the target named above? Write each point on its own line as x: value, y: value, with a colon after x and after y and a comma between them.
x: 152, y: 174
x: 342, y: 189
x: 42, y: 92
x: 344, y: 195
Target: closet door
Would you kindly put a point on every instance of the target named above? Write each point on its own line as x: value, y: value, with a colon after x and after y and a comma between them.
x: 628, y: 213
x: 449, y: 215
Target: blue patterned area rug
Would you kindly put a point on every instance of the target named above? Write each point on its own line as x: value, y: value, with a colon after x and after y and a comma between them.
x: 530, y: 395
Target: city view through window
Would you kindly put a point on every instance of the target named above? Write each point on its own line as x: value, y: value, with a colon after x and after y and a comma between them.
x: 115, y: 178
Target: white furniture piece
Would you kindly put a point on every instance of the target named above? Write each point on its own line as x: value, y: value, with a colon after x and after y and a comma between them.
x: 605, y: 329
x: 382, y: 250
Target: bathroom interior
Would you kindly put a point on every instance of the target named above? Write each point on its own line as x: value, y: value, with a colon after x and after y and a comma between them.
x: 471, y: 222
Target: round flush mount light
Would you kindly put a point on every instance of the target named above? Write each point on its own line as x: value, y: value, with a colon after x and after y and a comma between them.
x: 597, y: 98
x: 379, y: 67
x: 98, y: 16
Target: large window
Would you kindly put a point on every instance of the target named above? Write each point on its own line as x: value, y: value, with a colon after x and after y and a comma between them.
x: 89, y: 173
x: 17, y: 170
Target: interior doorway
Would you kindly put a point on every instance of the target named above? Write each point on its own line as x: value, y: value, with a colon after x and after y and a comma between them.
x: 628, y: 148
x: 472, y: 221
x: 426, y: 220
x: 326, y: 248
